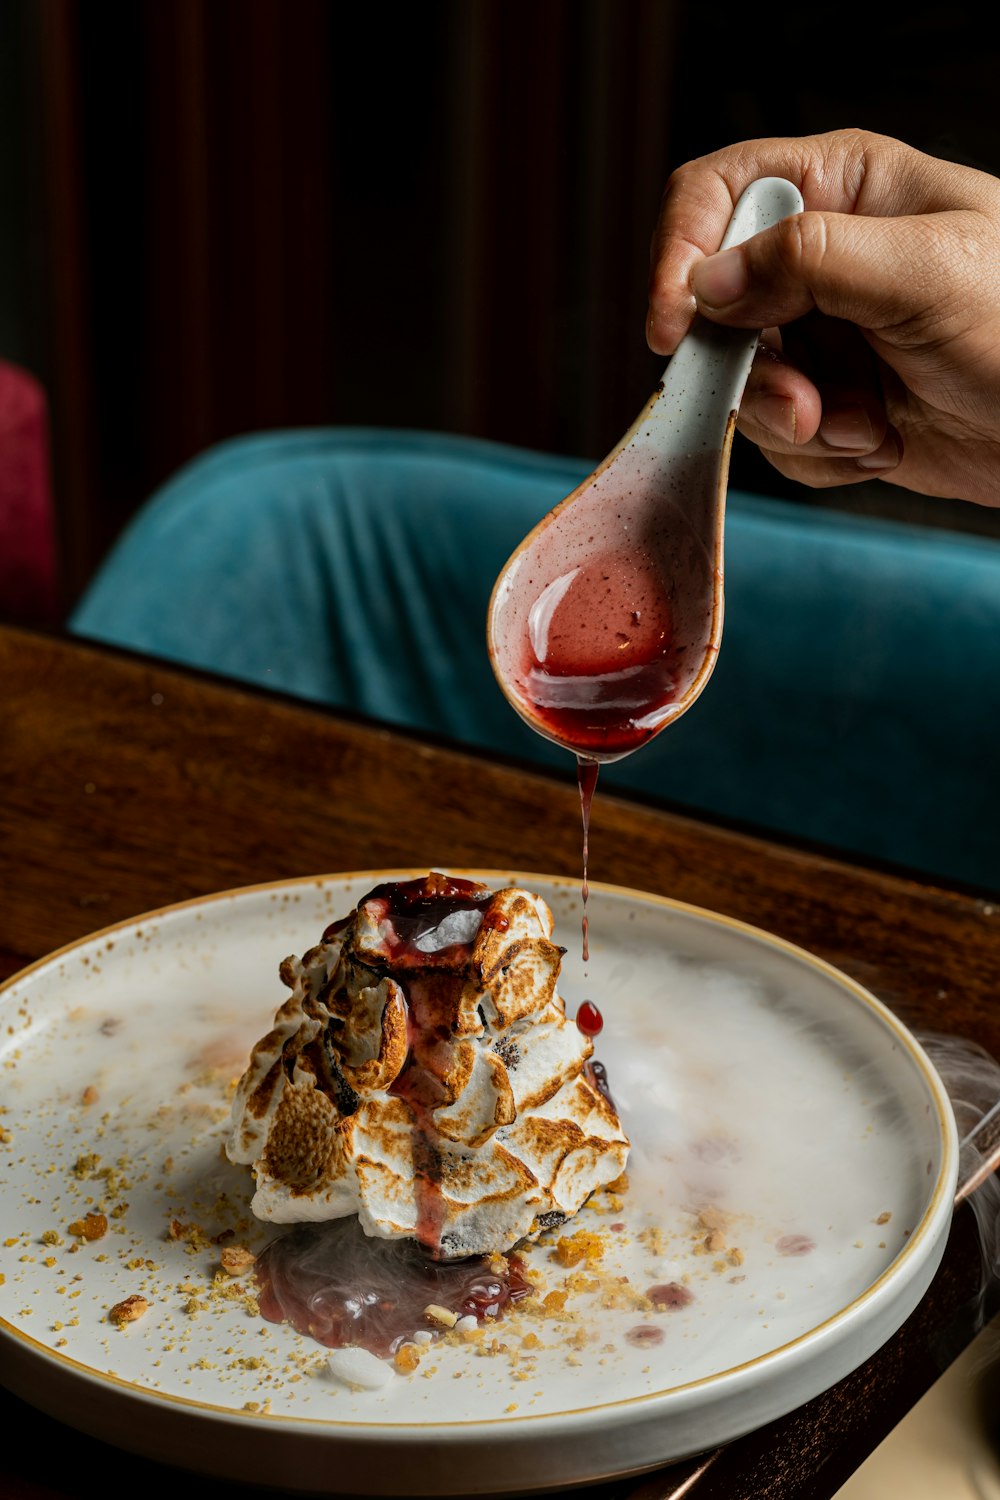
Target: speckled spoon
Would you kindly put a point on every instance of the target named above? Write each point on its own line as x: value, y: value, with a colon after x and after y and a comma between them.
x: 605, y: 624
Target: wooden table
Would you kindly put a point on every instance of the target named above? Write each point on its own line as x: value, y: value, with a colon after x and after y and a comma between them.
x: 126, y: 785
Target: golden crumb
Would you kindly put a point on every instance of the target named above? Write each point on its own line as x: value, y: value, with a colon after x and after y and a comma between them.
x: 554, y: 1302
x: 86, y: 1165
x: 584, y: 1245
x: 128, y: 1311
x: 90, y: 1227
x: 406, y: 1358
x: 192, y: 1234
x: 89, y: 1096
x: 715, y: 1240
x: 711, y: 1217
x: 654, y: 1240
x: 580, y: 1282
x: 620, y: 1184
x: 51, y: 1237
x: 883, y: 1217
x: 236, y: 1259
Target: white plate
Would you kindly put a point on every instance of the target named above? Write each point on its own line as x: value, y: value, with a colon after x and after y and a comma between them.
x: 752, y: 1078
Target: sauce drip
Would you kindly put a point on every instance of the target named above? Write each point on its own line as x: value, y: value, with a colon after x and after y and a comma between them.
x: 336, y: 1285
x: 586, y: 776
x: 601, y: 667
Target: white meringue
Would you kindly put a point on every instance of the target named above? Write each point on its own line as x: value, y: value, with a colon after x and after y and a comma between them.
x: 423, y: 1075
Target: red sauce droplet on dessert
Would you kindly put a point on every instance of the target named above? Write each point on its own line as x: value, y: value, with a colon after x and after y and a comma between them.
x: 644, y: 1335
x: 795, y: 1244
x: 589, y: 1019
x: 670, y: 1295
x: 339, y: 1287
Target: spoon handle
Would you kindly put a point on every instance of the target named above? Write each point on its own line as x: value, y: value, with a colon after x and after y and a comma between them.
x: 711, y: 361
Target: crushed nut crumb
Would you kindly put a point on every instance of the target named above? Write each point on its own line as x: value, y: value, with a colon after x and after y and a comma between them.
x: 128, y: 1311
x: 90, y: 1227
x: 236, y: 1259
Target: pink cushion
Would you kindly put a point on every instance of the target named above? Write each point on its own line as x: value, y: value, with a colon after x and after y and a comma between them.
x: 28, y: 591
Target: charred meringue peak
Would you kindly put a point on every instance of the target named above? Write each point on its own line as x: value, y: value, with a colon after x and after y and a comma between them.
x: 423, y: 1075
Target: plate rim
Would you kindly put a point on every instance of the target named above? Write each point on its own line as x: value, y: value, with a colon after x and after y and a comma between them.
x: 723, y: 1384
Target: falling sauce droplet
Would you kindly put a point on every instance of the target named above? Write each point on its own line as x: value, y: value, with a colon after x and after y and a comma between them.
x: 589, y: 1019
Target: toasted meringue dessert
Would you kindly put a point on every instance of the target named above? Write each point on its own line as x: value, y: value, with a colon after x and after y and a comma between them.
x: 423, y: 1075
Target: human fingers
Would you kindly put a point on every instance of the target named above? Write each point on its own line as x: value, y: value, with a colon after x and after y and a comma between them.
x: 825, y: 471
x: 842, y: 172
x: 815, y: 390
x: 888, y: 276
x: 841, y: 436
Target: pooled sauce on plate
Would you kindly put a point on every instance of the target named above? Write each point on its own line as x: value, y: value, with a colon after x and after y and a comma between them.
x: 336, y: 1285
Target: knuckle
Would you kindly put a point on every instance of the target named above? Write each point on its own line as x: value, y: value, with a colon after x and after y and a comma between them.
x: 801, y: 244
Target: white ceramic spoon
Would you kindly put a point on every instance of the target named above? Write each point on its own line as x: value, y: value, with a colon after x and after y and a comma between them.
x: 605, y: 624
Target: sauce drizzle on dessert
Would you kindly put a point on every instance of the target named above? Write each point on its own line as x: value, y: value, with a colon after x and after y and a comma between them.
x: 426, y: 926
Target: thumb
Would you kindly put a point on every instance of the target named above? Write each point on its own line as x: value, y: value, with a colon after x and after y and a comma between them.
x: 877, y: 273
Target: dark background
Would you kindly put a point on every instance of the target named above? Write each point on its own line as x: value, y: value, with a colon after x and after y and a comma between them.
x: 219, y: 216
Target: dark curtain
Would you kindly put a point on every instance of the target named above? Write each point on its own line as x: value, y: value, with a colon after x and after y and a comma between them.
x: 268, y: 214
x: 234, y: 215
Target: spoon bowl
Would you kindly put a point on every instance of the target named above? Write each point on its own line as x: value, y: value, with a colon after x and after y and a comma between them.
x: 605, y: 624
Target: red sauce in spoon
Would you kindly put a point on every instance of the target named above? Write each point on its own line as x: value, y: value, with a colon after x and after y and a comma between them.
x: 600, y: 663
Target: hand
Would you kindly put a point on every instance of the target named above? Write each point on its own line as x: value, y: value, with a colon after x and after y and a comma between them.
x: 880, y: 304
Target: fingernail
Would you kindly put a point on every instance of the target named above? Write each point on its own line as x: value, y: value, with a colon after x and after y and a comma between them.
x: 720, y: 279
x: 886, y: 456
x: 846, y: 427
x: 776, y: 414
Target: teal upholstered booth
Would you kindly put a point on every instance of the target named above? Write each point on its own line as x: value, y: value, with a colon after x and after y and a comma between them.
x: 857, y: 697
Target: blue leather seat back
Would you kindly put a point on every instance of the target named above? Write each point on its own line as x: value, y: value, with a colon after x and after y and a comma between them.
x: 857, y: 697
